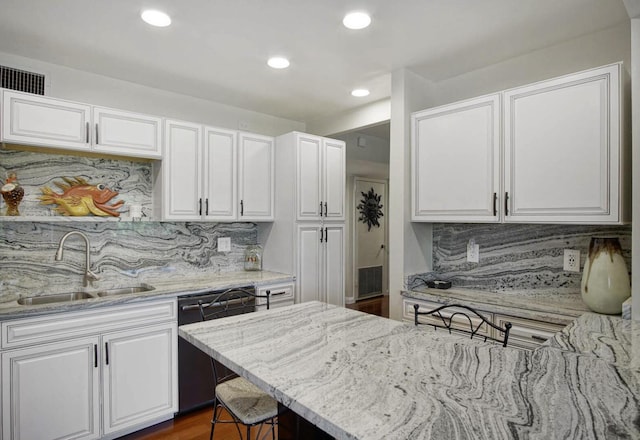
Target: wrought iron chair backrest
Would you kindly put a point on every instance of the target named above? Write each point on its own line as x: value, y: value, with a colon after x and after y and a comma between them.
x: 231, y: 302
x: 448, y: 323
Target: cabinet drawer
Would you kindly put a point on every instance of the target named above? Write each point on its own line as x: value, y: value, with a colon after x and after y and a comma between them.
x: 58, y: 326
x: 279, y: 293
x: 457, y: 322
x: 527, y: 333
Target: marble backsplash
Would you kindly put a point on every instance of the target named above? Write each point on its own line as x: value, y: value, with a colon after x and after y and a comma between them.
x: 133, y: 180
x: 514, y: 257
x: 121, y: 253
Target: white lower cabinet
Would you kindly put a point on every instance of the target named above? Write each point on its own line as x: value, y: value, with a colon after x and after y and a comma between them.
x: 52, y: 391
x: 138, y: 371
x: 320, y: 263
x: 105, y: 384
x: 525, y: 333
x: 280, y: 295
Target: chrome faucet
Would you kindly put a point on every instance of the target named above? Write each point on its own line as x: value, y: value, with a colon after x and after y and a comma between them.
x: 88, y: 275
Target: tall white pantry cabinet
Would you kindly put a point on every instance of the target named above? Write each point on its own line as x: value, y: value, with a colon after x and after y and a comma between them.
x: 307, y: 236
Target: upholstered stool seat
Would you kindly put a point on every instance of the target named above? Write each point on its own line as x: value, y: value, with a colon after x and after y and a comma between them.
x: 246, y: 401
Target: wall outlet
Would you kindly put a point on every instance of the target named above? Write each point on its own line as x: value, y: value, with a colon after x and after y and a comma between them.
x: 224, y: 244
x: 571, y: 260
x: 473, y: 252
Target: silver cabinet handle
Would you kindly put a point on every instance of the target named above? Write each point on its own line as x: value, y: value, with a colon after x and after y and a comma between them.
x: 539, y: 338
x: 97, y: 143
x: 326, y: 211
x: 87, y: 132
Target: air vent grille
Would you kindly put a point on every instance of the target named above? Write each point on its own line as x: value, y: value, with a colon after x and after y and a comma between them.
x: 21, y: 80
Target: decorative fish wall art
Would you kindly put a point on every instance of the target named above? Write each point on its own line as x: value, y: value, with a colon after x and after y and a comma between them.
x: 80, y: 198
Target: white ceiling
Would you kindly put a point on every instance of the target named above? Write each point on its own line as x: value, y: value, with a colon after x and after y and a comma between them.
x: 217, y: 49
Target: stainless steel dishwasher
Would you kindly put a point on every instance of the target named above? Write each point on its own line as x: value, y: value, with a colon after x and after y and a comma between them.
x: 195, y: 378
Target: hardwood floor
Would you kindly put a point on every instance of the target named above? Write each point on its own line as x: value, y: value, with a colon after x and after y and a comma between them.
x: 197, y: 425
x: 192, y: 426
x: 376, y: 306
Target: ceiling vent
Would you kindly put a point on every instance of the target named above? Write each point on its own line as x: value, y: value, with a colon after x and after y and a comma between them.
x: 21, y: 80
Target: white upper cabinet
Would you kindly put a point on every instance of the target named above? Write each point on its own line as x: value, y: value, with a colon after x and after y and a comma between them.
x: 55, y: 123
x: 321, y: 177
x: 126, y: 133
x: 220, y: 174
x: 181, y: 179
x: 215, y: 174
x: 334, y: 179
x: 563, y: 155
x: 563, y: 149
x: 37, y: 120
x: 456, y: 161
x: 256, y: 177
x: 309, y: 166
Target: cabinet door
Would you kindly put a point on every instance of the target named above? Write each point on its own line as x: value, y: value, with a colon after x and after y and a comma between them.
x: 52, y: 391
x: 456, y: 162
x: 309, y: 264
x: 527, y: 333
x: 139, y: 370
x: 333, y: 264
x: 562, y: 149
x: 182, y: 171
x: 126, y: 133
x: 309, y: 177
x: 256, y: 177
x: 46, y: 122
x: 334, y: 179
x: 220, y: 177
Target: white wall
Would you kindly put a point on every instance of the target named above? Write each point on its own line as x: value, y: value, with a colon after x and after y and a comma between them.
x: 363, y: 116
x: 409, y: 243
x: 77, y: 85
x: 372, y: 162
x: 593, y: 50
x: 635, y: 148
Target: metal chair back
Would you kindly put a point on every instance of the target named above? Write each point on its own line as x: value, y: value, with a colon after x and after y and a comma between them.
x: 473, y: 330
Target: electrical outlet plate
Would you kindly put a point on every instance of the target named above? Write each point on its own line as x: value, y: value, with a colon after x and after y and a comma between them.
x: 473, y: 252
x: 224, y: 244
x: 571, y: 260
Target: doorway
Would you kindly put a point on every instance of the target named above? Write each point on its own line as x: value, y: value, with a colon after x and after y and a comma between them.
x: 370, y: 248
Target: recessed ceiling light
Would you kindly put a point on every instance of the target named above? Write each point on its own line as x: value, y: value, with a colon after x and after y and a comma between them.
x: 278, y: 62
x: 155, y: 18
x: 356, y: 20
x: 360, y: 93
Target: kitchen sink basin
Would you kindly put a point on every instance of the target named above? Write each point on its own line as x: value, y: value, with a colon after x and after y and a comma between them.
x: 125, y: 290
x: 57, y: 298
x: 74, y: 296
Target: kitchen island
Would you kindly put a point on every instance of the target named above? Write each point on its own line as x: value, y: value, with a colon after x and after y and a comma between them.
x: 359, y: 376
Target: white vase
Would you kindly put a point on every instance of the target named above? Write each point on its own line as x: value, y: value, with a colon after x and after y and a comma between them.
x: 605, y: 278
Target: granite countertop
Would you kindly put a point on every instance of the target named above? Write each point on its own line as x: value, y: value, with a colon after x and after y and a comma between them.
x: 559, y: 308
x: 177, y: 285
x: 359, y: 376
x: 610, y: 338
